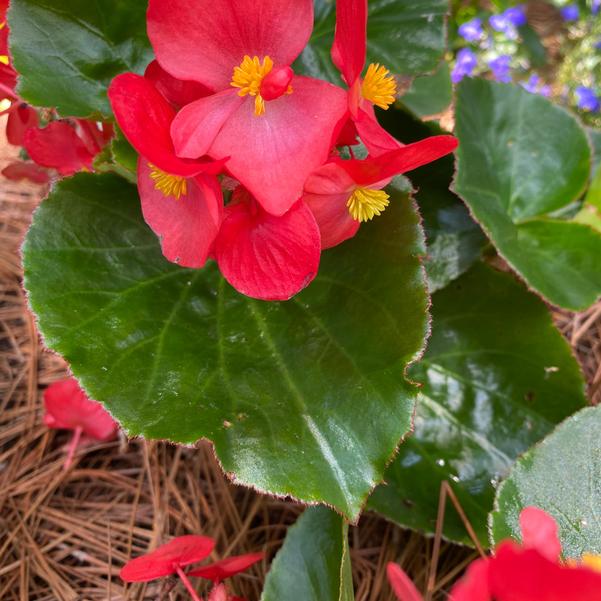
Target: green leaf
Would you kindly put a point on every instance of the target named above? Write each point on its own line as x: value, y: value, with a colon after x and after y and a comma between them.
x: 497, y: 377
x: 407, y: 36
x: 521, y: 160
x: 67, y: 52
x: 177, y: 354
x: 430, y: 94
x: 562, y: 476
x: 314, y: 562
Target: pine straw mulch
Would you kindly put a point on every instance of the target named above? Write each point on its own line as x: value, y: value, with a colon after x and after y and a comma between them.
x: 64, y: 536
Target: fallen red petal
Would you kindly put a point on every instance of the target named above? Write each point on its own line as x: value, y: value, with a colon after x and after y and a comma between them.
x: 227, y: 568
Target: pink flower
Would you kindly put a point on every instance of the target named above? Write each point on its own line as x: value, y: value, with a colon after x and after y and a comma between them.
x: 181, y: 199
x: 69, y: 408
x: 376, y: 88
x: 226, y: 568
x: 274, y: 126
x: 343, y: 194
x: 532, y: 571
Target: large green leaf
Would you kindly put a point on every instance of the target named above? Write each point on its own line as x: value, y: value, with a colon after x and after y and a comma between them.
x: 305, y: 398
x: 497, y: 377
x: 67, y: 52
x: 562, y: 475
x: 314, y: 563
x: 407, y: 36
x: 521, y: 160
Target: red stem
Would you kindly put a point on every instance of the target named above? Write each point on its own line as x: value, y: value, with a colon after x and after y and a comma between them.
x: 187, y: 584
x: 72, y: 447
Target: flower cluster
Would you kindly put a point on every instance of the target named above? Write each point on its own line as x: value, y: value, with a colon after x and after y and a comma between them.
x: 532, y: 571
x: 182, y: 551
x: 239, y: 155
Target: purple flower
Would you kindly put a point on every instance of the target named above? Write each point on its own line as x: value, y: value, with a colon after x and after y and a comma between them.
x: 516, y: 16
x: 596, y: 6
x: 587, y: 100
x: 598, y: 44
x: 533, y: 85
x: 501, y: 24
x: 545, y: 91
x: 501, y: 67
x: 464, y: 66
x: 471, y: 31
x: 571, y: 12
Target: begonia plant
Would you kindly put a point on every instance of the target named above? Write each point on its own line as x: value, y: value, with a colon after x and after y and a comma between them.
x: 304, y: 231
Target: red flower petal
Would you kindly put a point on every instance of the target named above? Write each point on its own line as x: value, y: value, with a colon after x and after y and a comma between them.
x: 273, y: 155
x: 165, y: 560
x: 227, y: 568
x: 197, y: 125
x: 176, y: 91
x: 474, y: 585
x: 350, y: 42
x: 18, y: 122
x: 203, y: 40
x: 219, y: 593
x: 327, y: 191
x: 58, y: 146
x: 517, y: 574
x: 8, y: 81
x: 267, y: 257
x: 373, y: 170
x: 187, y: 226
x: 401, y: 584
x: 93, y: 137
x: 145, y: 118
x: 539, y: 531
x: 376, y: 139
x: 68, y: 407
x: 20, y: 170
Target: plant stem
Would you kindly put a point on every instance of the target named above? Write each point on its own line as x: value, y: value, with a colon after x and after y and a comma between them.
x: 187, y: 584
x: 72, y: 447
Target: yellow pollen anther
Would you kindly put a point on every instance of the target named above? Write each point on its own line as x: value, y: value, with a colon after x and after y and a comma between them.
x: 364, y: 203
x: 4, y: 59
x: 379, y: 86
x: 169, y: 185
x: 248, y: 77
x: 591, y: 561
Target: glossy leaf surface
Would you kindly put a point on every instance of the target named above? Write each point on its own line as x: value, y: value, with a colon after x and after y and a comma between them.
x: 407, y: 36
x: 562, y: 475
x: 314, y: 561
x: 497, y: 377
x: 521, y: 160
x: 429, y: 94
x: 177, y: 354
x: 67, y: 52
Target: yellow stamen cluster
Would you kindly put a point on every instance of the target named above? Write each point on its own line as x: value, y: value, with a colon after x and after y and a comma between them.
x: 591, y: 561
x: 248, y: 77
x: 3, y: 57
x: 169, y: 185
x: 364, y: 203
x: 379, y: 86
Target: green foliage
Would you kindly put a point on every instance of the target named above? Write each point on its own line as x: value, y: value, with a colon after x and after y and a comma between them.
x: 314, y: 562
x: 521, y: 161
x: 497, y: 377
x: 430, y: 94
x: 177, y: 354
x: 561, y: 476
x: 67, y: 52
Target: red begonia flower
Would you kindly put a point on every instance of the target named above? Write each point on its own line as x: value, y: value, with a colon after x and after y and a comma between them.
x: 181, y: 203
x: 59, y: 147
x: 401, y: 584
x: 167, y: 559
x: 539, y: 531
x: 69, y: 408
x: 275, y: 127
x: 474, y: 586
x: 185, y: 218
x: 19, y: 170
x: 20, y: 119
x: 265, y: 256
x: 226, y: 568
x: 378, y: 87
x: 341, y: 194
x: 145, y: 117
x: 94, y: 137
x: 176, y: 91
